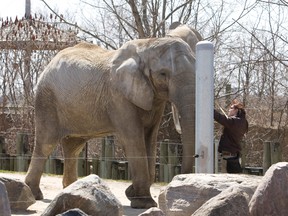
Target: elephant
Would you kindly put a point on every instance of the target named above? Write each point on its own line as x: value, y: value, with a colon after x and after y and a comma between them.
x: 87, y: 91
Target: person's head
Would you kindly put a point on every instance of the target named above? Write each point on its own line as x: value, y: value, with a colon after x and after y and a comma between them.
x: 236, y: 109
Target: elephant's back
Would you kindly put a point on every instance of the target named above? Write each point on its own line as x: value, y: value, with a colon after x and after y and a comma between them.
x: 77, y: 72
x: 85, y: 54
x: 73, y: 65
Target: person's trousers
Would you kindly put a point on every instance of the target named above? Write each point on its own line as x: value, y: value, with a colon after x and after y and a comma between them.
x: 224, y: 156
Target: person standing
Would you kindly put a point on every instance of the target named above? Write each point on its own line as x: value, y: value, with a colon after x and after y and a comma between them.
x: 235, y: 126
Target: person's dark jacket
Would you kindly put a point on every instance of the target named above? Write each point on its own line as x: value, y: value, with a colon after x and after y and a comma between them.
x: 234, y: 130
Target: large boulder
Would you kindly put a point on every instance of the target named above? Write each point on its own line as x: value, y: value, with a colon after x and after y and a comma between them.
x: 232, y: 201
x: 19, y: 194
x: 89, y: 194
x: 271, y: 196
x: 4, y: 201
x: 188, y: 192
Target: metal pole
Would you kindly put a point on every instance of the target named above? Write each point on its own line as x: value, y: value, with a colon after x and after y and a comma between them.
x: 27, y: 9
x: 204, y: 108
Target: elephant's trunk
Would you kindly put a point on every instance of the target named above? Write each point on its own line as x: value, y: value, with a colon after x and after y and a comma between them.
x: 185, y: 103
x: 187, y: 121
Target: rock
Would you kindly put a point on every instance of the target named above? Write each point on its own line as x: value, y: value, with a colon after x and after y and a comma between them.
x: 89, y: 194
x: 232, y: 201
x: 187, y: 192
x: 73, y: 212
x: 19, y: 194
x: 153, y: 212
x: 4, y: 201
x: 271, y: 196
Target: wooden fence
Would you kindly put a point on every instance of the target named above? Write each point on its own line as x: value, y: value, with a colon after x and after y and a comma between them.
x: 167, y: 166
x: 272, y: 154
x: 105, y: 167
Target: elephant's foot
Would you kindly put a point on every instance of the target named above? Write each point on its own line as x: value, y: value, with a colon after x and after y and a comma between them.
x: 37, y: 193
x: 143, y: 202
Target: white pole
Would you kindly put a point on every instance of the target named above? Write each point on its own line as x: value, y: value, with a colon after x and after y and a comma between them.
x: 204, y: 108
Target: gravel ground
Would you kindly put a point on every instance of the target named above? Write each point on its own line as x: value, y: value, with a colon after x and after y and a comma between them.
x: 52, y: 185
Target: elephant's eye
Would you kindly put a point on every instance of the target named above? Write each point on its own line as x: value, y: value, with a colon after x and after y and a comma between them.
x: 163, y: 74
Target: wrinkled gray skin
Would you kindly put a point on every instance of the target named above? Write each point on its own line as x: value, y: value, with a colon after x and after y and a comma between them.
x: 88, y: 92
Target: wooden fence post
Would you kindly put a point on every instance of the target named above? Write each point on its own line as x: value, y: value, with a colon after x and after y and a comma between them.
x: 22, y: 144
x: 2, y: 153
x: 163, y: 161
x: 114, y: 170
x: 2, y: 145
x: 217, y: 164
x: 276, y: 153
x: 126, y: 171
x: 172, y: 160
x: 81, y: 163
x: 243, y: 154
x: 168, y: 161
x: 271, y: 155
x: 95, y: 166
x: 12, y: 163
x: 50, y: 165
x: 266, y: 156
x: 107, y: 157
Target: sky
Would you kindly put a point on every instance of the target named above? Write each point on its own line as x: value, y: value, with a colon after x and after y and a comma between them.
x: 13, y: 8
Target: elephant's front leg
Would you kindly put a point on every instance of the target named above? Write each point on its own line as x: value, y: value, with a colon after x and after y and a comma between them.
x: 133, y: 141
x: 151, y: 149
x: 131, y: 134
x: 139, y: 192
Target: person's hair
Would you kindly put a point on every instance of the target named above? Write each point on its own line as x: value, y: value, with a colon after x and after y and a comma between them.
x: 241, y: 111
x: 238, y: 105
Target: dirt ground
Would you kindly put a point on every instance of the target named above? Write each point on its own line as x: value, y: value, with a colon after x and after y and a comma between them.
x: 52, y: 185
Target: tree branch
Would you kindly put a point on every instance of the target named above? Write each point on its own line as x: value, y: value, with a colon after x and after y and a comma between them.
x: 263, y: 45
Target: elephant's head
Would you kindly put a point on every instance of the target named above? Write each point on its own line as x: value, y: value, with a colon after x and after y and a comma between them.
x: 163, y: 69
x: 191, y: 37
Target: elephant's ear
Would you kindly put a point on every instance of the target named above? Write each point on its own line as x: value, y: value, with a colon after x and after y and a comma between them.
x: 128, y: 78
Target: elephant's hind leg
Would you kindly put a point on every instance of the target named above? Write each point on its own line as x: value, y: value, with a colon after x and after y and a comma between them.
x: 71, y: 148
x: 41, y: 152
x: 46, y: 138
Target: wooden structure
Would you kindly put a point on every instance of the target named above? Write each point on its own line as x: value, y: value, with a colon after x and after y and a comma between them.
x: 36, y: 33
x: 27, y: 45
